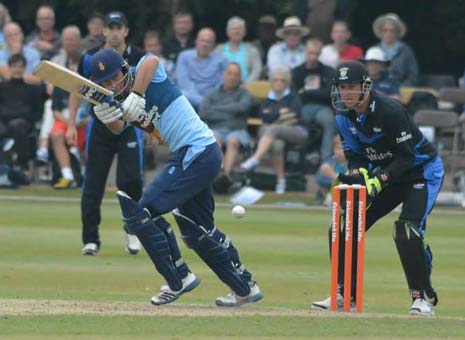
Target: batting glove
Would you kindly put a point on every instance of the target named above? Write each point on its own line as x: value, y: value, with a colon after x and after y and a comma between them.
x: 133, y: 107
x: 107, y: 113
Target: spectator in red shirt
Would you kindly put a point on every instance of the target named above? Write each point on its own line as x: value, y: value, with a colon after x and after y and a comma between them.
x: 340, y: 49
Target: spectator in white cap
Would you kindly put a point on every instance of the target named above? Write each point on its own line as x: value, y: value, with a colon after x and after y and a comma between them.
x: 377, y: 64
x: 290, y: 51
x: 403, y: 67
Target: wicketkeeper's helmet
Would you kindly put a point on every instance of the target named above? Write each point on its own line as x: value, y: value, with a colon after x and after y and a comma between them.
x: 349, y: 72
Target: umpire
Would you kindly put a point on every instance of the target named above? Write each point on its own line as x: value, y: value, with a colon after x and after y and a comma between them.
x: 389, y: 155
x: 102, y: 145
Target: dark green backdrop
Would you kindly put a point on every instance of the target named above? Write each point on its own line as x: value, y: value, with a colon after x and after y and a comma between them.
x: 436, y: 27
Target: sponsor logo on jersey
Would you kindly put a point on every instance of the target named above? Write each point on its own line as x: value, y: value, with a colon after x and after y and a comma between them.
x: 403, y: 137
x: 373, y: 155
x: 377, y: 129
x: 131, y: 145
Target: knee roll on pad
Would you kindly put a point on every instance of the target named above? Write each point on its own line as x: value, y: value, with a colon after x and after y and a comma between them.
x: 212, y: 252
x: 413, y: 255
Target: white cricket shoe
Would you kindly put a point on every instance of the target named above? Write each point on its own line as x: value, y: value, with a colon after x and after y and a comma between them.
x: 421, y: 307
x: 166, y: 295
x: 132, y: 244
x: 234, y: 300
x: 90, y: 249
x: 326, y: 304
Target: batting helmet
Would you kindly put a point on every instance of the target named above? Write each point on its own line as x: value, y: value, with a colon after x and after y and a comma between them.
x: 105, y: 65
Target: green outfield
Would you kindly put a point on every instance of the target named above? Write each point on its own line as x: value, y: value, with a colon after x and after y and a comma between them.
x: 48, y: 290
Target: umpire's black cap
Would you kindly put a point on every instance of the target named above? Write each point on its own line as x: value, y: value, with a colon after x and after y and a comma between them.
x: 116, y: 18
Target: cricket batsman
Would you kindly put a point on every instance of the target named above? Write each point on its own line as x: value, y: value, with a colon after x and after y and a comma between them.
x: 184, y: 186
x: 389, y: 155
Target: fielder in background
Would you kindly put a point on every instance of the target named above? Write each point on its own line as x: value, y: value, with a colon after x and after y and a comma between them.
x: 102, y: 145
x: 184, y: 186
x: 389, y: 155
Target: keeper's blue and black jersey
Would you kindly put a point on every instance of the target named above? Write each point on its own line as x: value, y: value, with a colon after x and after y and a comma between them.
x: 385, y: 136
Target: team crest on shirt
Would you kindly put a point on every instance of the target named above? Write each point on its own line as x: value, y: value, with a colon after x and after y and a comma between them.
x: 101, y: 66
x: 343, y: 73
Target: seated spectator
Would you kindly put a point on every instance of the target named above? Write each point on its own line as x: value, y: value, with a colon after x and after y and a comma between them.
x: 377, y: 65
x: 289, y: 52
x: 200, y: 70
x: 238, y: 51
x: 312, y: 81
x: 340, y: 50
x: 280, y: 114
x: 225, y: 110
x: 403, y: 66
x: 94, y: 37
x: 70, y: 42
x: 4, y: 19
x: 183, y: 38
x: 14, y: 45
x: 328, y: 172
x: 152, y: 43
x: 58, y: 132
x: 20, y: 107
x: 266, y: 36
x: 45, y: 38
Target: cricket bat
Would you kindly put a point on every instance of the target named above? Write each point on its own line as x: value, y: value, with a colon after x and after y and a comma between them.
x: 89, y: 91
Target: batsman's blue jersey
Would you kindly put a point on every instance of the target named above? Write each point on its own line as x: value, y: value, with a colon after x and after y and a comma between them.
x: 175, y: 118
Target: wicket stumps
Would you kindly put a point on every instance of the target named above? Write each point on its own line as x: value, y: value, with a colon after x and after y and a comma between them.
x: 346, y: 229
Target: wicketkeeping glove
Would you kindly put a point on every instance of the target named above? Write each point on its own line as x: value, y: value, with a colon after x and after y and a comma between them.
x: 107, y: 113
x: 133, y: 106
x: 374, y: 182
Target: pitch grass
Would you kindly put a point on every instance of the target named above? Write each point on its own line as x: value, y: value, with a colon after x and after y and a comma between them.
x: 286, y: 250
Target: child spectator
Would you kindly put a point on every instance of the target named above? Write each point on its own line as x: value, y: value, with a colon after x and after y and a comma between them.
x: 328, y: 172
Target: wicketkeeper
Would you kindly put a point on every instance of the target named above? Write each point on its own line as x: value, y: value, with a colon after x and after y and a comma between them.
x: 389, y: 155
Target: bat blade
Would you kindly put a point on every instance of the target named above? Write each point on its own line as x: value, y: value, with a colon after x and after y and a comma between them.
x: 91, y: 92
x: 72, y: 82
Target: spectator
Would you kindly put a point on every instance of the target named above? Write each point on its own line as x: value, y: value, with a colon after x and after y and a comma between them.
x: 340, y: 49
x: 225, y: 110
x: 94, y: 37
x: 45, y: 38
x: 328, y: 172
x: 20, y: 104
x: 266, y: 36
x: 70, y: 42
x: 403, y: 67
x: 152, y: 43
x: 312, y: 80
x: 280, y: 114
x: 238, y: 51
x: 60, y: 100
x: 14, y: 45
x: 316, y: 14
x: 289, y: 52
x: 183, y: 38
x: 200, y: 70
x: 4, y: 19
x: 377, y: 64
